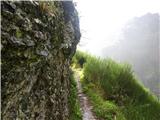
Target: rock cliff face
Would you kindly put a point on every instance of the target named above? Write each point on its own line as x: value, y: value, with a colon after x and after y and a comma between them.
x: 38, y: 40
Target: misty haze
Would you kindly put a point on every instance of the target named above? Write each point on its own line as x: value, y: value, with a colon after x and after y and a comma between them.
x: 124, y: 34
x: 139, y: 46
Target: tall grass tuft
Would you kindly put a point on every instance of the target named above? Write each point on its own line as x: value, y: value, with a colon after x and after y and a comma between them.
x: 74, y: 105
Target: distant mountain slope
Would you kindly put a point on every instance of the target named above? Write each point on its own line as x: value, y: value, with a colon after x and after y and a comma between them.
x: 140, y: 47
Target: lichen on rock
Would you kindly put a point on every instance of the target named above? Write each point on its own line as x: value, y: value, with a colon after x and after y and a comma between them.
x: 39, y: 40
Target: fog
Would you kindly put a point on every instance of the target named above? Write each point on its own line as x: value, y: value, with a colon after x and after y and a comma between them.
x: 139, y: 45
x: 127, y: 31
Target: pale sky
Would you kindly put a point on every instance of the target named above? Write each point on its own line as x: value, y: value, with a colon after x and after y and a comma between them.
x: 102, y: 20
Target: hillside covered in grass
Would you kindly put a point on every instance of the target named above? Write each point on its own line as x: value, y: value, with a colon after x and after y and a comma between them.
x: 114, y: 91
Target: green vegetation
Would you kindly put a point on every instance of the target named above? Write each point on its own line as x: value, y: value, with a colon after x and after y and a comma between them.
x: 114, y: 90
x: 102, y: 108
x: 75, y: 113
x: 18, y: 33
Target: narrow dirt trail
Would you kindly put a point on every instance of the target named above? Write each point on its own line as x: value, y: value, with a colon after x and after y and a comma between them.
x: 84, y: 102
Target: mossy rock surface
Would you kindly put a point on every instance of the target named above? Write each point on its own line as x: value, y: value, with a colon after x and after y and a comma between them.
x: 38, y: 41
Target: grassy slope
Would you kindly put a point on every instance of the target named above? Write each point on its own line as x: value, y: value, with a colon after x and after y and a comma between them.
x: 75, y: 113
x: 114, y: 90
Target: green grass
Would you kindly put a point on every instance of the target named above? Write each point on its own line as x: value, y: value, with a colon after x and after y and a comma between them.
x: 74, y: 106
x: 102, y: 108
x: 119, y: 86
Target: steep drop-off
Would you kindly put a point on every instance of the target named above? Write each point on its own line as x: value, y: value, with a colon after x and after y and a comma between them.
x: 38, y: 40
